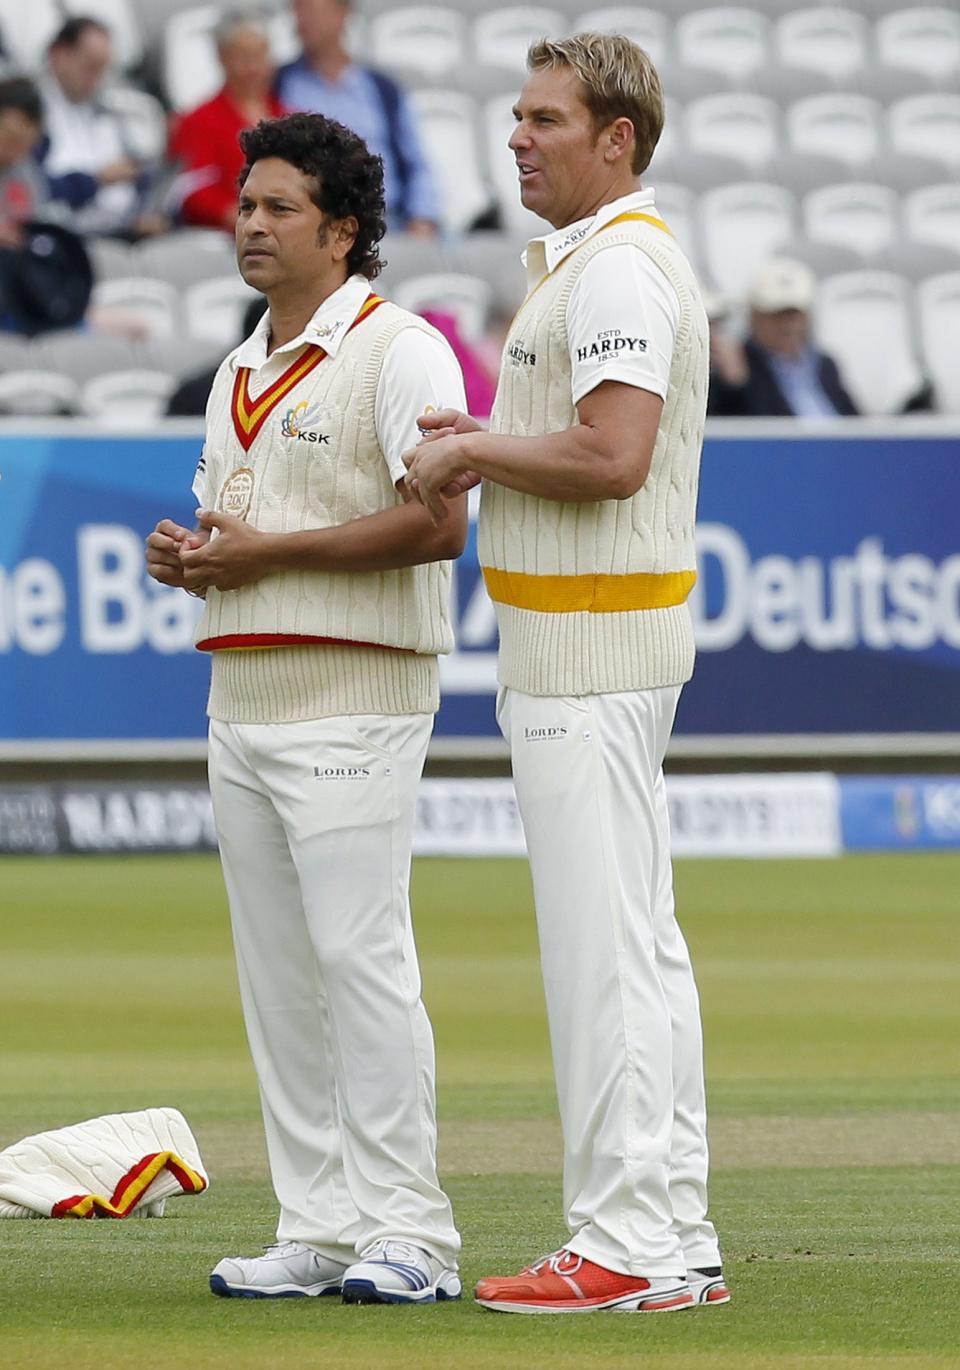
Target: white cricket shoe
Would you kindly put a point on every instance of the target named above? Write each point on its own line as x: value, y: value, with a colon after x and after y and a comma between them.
x: 708, y: 1285
x: 392, y: 1271
x: 286, y: 1270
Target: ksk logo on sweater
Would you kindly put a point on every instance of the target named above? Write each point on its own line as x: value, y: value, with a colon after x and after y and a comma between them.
x: 296, y: 423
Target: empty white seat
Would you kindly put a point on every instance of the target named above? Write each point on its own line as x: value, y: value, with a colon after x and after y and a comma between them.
x: 27, y: 29
x: 824, y: 39
x: 81, y: 356
x: 927, y: 126
x: 498, y: 124
x: 127, y: 399
x: 735, y: 124
x: 923, y: 38
x: 496, y: 259
x: 501, y: 37
x: 181, y: 356
x: 467, y: 298
x: 862, y: 319
x: 120, y: 18
x: 725, y: 38
x: 856, y: 214
x: 675, y: 205
x: 110, y: 258
x: 190, y: 70
x: 932, y: 215
x: 142, y: 118
x: 842, y: 126
x: 648, y: 28
x: 153, y: 304
x: 215, y: 308
x: 37, y: 394
x: 938, y: 307
x: 448, y: 128
x: 185, y: 256
x: 425, y: 38
x: 740, y: 226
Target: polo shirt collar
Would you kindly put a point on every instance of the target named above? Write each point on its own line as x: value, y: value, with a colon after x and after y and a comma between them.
x: 326, y: 328
x: 544, y: 255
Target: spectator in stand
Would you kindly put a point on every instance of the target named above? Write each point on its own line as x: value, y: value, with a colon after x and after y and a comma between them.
x: 205, y: 143
x: 101, y: 187
x: 777, y: 371
x: 325, y: 80
x: 23, y: 188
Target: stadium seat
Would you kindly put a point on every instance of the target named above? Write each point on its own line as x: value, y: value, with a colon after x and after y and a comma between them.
x: 736, y: 124
x: 404, y: 255
x: 468, y: 298
x: 182, y: 356
x: 127, y: 399
x: 81, y: 356
x: 924, y: 39
x: 26, y: 29
x: 448, y: 127
x: 932, y: 215
x: 938, y: 307
x: 498, y: 124
x: 426, y: 37
x: 185, y: 256
x: 841, y: 126
x: 675, y: 204
x: 856, y: 214
x: 214, y: 308
x: 740, y: 226
x: 862, y: 319
x: 501, y: 37
x: 831, y: 42
x: 142, y: 118
x: 151, y: 303
x: 111, y: 258
x: 121, y: 19
x: 725, y: 38
x: 190, y: 71
x: 496, y: 259
x: 37, y: 394
x: 648, y: 28
x: 928, y: 126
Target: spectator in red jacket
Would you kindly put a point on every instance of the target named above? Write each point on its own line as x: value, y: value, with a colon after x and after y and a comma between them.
x: 205, y: 142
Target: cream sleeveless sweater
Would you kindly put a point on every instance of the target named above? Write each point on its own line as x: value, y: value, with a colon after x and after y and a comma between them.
x: 591, y: 597
x: 303, y: 453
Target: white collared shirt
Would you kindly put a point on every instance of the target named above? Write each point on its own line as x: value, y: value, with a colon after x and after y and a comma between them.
x: 419, y: 370
x: 620, y: 293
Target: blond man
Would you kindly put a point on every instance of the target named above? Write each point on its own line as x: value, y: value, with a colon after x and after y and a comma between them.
x: 589, y: 475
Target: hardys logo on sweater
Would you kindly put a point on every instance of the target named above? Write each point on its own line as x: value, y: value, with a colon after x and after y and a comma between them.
x: 296, y: 423
x: 519, y: 356
x: 610, y: 343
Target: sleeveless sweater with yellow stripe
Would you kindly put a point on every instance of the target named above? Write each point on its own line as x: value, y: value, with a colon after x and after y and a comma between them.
x: 591, y: 597
x: 312, y: 644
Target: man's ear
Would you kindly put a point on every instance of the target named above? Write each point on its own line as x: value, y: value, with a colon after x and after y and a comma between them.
x: 618, y: 138
x: 344, y: 233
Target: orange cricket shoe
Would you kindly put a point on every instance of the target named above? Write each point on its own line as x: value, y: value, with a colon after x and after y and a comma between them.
x: 567, y: 1283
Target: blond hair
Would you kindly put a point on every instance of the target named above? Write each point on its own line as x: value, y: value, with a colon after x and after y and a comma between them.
x: 619, y: 82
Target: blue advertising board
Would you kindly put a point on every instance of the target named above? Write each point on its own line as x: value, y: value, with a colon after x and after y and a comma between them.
x: 828, y: 601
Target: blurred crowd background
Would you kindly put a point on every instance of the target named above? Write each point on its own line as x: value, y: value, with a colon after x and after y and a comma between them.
x: 810, y: 165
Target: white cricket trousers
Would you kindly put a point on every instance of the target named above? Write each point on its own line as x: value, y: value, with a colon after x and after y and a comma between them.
x: 315, y: 821
x: 622, y: 1003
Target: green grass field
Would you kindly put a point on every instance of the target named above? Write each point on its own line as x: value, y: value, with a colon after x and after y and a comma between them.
x: 831, y: 996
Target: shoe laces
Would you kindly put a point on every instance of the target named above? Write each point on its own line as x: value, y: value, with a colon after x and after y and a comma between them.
x: 391, y: 1249
x: 562, y: 1262
x: 284, y: 1248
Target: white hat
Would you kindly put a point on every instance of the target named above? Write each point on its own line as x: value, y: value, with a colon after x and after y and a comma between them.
x: 782, y: 283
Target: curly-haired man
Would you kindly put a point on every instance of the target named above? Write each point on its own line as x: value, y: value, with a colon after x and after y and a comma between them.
x: 326, y: 605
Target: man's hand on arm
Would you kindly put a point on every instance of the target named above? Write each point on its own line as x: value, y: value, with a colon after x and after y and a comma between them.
x: 605, y: 456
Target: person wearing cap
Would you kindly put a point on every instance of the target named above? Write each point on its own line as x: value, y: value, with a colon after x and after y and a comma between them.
x: 777, y: 371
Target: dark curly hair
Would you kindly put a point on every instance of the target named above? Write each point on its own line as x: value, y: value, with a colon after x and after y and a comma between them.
x: 348, y: 180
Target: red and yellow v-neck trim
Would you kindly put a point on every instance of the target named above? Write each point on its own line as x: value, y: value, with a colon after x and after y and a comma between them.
x: 250, y: 415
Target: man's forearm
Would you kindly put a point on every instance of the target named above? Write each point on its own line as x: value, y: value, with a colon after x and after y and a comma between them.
x: 569, y: 465
x: 385, y: 541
